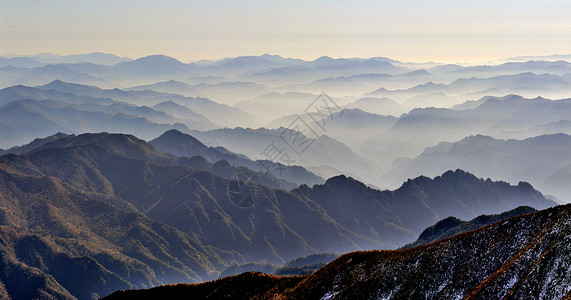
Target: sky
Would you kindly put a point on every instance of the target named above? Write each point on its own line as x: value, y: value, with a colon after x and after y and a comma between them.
x: 407, y: 30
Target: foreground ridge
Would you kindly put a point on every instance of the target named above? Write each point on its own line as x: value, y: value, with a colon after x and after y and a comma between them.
x: 526, y: 256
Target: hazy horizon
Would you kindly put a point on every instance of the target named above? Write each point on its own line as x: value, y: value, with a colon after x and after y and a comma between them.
x: 440, y: 31
x: 494, y: 61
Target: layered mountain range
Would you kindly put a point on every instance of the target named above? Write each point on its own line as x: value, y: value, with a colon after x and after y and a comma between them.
x: 141, y: 217
x: 359, y: 137
x: 126, y: 174
x: 543, y: 160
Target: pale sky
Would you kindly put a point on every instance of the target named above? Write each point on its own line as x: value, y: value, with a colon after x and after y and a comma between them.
x: 407, y: 30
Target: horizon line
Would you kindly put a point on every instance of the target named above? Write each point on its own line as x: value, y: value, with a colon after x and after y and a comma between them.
x: 189, y: 61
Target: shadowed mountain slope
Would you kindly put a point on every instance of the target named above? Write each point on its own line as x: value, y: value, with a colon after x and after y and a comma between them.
x: 522, y: 257
x: 58, y: 240
x: 453, y: 226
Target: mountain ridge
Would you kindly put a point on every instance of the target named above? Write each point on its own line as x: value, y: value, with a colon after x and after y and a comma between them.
x: 527, y: 256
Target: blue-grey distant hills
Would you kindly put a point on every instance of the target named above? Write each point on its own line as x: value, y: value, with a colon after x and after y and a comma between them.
x: 537, y: 66
x: 126, y: 174
x: 47, y: 73
x: 431, y: 94
x: 170, y: 86
x: 243, y: 64
x: 324, y: 67
x: 31, y: 118
x: 380, y: 106
x: 30, y: 112
x: 227, y: 92
x: 352, y: 127
x: 215, y: 112
x: 323, y: 150
x: 510, y: 116
x: 19, y: 62
x: 544, y: 161
x: 49, y: 58
x: 151, y: 66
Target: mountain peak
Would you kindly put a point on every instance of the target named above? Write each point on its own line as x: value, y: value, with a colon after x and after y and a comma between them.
x: 337, y: 179
x: 158, y: 58
x: 117, y: 143
x: 342, y: 181
x: 174, y: 135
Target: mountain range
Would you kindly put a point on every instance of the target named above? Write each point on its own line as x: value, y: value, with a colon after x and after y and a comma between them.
x: 359, y: 143
x: 176, y: 223
x: 508, y: 117
x: 525, y: 84
x: 543, y: 160
x: 93, y: 58
x: 127, y: 174
x: 218, y: 113
x: 520, y: 257
x: 317, y: 150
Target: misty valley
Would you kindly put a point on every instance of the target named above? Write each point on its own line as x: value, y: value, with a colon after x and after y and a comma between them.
x: 265, y: 177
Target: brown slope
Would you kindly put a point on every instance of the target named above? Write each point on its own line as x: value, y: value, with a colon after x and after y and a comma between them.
x: 524, y: 257
x: 246, y: 286
x: 58, y: 242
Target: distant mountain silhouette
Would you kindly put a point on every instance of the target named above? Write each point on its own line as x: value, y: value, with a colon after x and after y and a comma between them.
x: 231, y: 92
x: 36, y: 143
x: 186, y: 115
x: 31, y: 118
x: 536, y: 160
x: 234, y: 66
x: 352, y: 127
x: 218, y: 113
x: 380, y: 106
x: 152, y: 65
x: 19, y: 92
x: 94, y: 58
x: 525, y: 83
x: 510, y: 117
x: 324, y: 67
x: 273, y: 105
x: 20, y: 62
x: 171, y: 86
x: 537, y: 66
x: 50, y: 72
x: 324, y: 150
